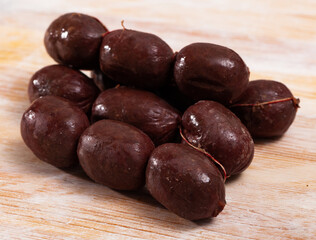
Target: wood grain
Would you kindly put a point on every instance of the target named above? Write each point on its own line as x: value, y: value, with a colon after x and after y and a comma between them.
x: 274, y: 199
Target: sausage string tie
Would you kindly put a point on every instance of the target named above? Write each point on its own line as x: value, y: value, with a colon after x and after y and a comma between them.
x: 296, y: 102
x: 204, y: 152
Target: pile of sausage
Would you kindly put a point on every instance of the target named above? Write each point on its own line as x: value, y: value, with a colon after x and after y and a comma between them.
x: 179, y: 123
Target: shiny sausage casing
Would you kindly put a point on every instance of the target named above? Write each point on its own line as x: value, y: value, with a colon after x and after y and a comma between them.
x: 136, y: 58
x: 267, y: 108
x: 205, y: 71
x: 62, y: 81
x: 115, y: 154
x: 74, y: 39
x: 140, y: 108
x: 185, y: 181
x: 51, y: 128
x: 212, y: 127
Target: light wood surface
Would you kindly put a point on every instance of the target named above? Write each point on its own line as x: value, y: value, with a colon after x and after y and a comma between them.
x: 274, y: 199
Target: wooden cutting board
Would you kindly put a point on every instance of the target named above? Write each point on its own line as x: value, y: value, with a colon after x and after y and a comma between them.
x: 274, y: 199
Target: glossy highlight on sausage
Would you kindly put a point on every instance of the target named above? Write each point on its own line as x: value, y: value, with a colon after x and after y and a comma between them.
x: 62, y: 81
x: 210, y: 126
x: 74, y: 39
x: 267, y: 108
x: 136, y: 58
x: 140, y: 108
x: 51, y: 128
x: 205, y: 71
x: 115, y: 154
x: 185, y: 181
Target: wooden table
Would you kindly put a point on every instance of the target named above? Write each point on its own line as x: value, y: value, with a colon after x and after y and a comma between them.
x: 274, y: 199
